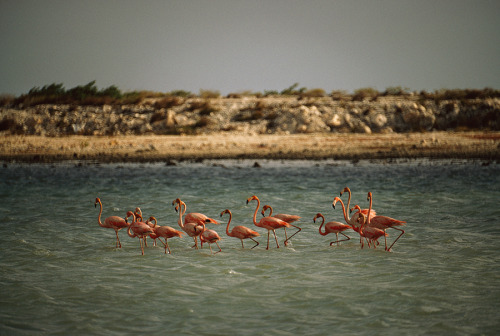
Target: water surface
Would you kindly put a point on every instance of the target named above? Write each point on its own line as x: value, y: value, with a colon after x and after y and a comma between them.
x: 61, y: 272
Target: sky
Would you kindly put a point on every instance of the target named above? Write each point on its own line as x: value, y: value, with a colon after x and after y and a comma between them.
x: 250, y: 45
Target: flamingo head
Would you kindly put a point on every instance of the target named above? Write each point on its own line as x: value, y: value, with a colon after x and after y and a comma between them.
x: 335, y: 200
x: 227, y: 211
x: 97, y: 200
x: 199, y: 228
x: 130, y: 214
x: 252, y: 198
x: 369, y: 196
x: 356, y: 207
x: 317, y: 216
x: 151, y: 219
x: 346, y: 189
x: 265, y: 208
x: 177, y: 200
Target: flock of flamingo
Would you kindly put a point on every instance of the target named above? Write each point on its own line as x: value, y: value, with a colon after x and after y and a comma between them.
x: 365, y: 222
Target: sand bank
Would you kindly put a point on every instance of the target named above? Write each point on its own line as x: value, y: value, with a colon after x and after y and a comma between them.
x: 158, y: 148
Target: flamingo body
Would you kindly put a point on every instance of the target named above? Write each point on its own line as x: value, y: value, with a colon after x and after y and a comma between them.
x: 138, y: 229
x: 210, y: 237
x: 241, y: 232
x: 112, y: 222
x: 268, y: 223
x: 332, y: 227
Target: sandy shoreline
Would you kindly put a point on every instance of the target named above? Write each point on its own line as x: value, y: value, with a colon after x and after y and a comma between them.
x: 154, y: 148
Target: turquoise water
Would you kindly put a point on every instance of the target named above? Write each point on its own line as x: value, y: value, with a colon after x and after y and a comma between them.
x: 61, y: 273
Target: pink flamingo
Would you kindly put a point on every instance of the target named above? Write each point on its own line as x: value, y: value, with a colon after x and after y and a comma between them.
x: 139, y: 229
x: 354, y: 221
x: 268, y: 223
x: 241, y: 232
x: 196, y: 217
x: 284, y: 217
x: 193, y: 229
x: 164, y: 232
x: 210, y: 237
x: 332, y: 227
x: 113, y: 222
x: 383, y: 223
x: 354, y: 217
x: 371, y: 234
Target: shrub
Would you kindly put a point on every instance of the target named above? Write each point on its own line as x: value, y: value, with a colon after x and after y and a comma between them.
x: 168, y: 102
x: 314, y: 93
x: 209, y: 94
x: 292, y: 90
x: 7, y: 99
x: 364, y: 93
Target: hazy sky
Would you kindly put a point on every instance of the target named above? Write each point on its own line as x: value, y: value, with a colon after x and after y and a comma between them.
x: 238, y: 45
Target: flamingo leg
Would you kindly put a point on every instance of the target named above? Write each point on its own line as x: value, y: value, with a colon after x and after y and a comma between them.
x: 276, y: 238
x: 118, y: 243
x: 242, y: 243
x: 267, y: 248
x: 218, y: 247
x: 286, y: 238
x: 140, y: 243
x: 402, y: 232
x: 338, y: 241
x: 298, y: 230
x: 256, y: 242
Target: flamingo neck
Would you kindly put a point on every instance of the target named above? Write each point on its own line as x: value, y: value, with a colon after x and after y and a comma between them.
x: 344, y: 210
x: 367, y: 219
x: 255, y: 213
x: 100, y: 212
x: 322, y: 222
x: 130, y: 226
x: 181, y: 213
x: 228, y: 222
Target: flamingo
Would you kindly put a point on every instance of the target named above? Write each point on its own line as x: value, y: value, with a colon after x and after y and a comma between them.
x: 371, y: 234
x: 354, y: 221
x: 332, y: 227
x: 284, y: 217
x: 268, y: 223
x: 383, y: 223
x: 196, y: 217
x: 193, y: 229
x: 163, y: 231
x: 354, y: 217
x: 113, y: 222
x: 139, y: 229
x: 210, y: 237
x: 241, y: 232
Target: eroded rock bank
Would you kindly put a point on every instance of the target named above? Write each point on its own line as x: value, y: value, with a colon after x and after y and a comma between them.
x: 253, y: 115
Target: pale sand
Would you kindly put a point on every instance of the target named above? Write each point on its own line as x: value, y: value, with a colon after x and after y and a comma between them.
x: 152, y: 148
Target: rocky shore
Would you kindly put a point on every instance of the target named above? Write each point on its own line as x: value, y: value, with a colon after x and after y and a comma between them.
x: 251, y: 127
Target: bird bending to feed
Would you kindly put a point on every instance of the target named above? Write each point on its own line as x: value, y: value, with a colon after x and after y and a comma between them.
x: 241, y: 232
x: 353, y: 221
x: 268, y: 223
x: 332, y: 227
x: 371, y: 234
x: 164, y: 232
x: 284, y: 217
x: 193, y: 229
x: 383, y: 223
x: 139, y: 229
x: 113, y: 222
x: 210, y: 237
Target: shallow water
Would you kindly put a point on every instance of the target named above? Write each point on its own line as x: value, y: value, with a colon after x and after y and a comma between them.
x: 61, y: 273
